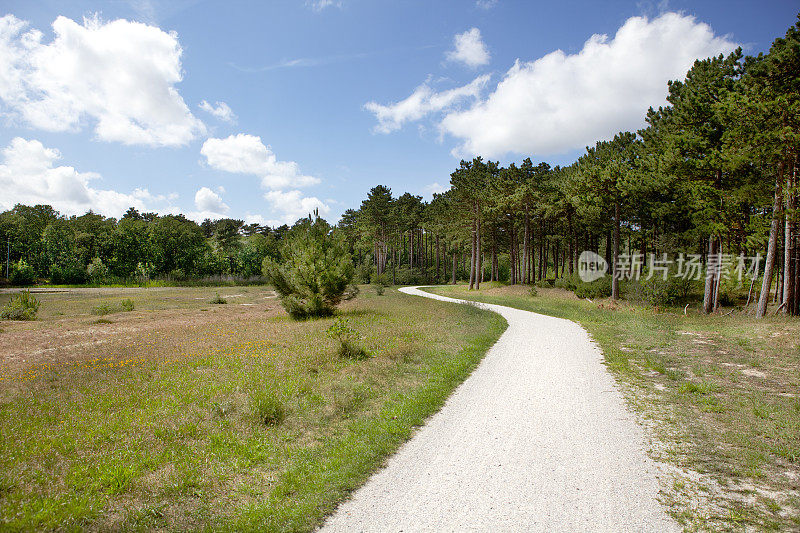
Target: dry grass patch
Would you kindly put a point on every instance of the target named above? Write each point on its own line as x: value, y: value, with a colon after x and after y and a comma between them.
x: 178, y: 416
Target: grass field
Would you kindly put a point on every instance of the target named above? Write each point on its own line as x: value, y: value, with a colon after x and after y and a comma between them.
x: 720, y: 393
x: 183, y: 414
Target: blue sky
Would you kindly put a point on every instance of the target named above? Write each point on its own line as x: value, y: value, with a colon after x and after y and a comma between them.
x: 325, y: 99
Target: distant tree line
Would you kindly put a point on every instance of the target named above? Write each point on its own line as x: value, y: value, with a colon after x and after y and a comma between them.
x: 714, y: 173
x: 40, y: 243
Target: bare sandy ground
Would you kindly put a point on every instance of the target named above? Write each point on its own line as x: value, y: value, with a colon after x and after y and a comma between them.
x: 536, y: 439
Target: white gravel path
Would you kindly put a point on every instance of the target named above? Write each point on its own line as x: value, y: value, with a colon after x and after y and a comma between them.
x: 536, y: 439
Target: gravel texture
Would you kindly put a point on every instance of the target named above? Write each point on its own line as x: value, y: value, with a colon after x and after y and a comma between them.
x: 536, y: 439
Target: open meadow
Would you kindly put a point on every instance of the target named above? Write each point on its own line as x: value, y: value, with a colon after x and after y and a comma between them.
x: 720, y: 394
x: 186, y: 414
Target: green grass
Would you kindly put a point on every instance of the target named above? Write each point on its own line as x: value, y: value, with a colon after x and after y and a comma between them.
x: 240, y: 419
x: 721, y: 394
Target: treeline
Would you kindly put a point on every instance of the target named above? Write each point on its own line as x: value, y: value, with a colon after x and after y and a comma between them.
x: 713, y: 174
x: 39, y: 243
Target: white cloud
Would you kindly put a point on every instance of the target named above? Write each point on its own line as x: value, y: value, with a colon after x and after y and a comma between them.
x: 289, y: 206
x: 221, y: 110
x: 246, y: 154
x: 207, y: 201
x: 469, y: 49
x: 561, y: 102
x: 320, y: 5
x: 485, y: 4
x: 435, y: 187
x: 118, y: 75
x: 423, y: 101
x: 28, y: 176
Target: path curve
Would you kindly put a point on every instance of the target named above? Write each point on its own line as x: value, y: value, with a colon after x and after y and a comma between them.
x: 536, y: 439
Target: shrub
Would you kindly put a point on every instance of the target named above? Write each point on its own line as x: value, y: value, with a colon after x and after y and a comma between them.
x: 267, y: 408
x: 218, y: 300
x: 21, y: 307
x: 316, y: 271
x: 568, y: 282
x: 364, y: 272
x: 22, y: 274
x: 408, y: 276
x: 341, y: 331
x: 659, y: 292
x: 70, y: 273
x: 102, y: 309
x: 600, y: 288
x: 532, y: 292
x: 97, y: 271
x: 379, y: 287
x: 127, y: 305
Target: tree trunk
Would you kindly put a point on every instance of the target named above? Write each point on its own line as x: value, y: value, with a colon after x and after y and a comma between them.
x: 571, y: 245
x: 788, y: 246
x: 455, y: 262
x: 711, y: 276
x: 479, y: 266
x: 472, y: 257
x: 615, y: 275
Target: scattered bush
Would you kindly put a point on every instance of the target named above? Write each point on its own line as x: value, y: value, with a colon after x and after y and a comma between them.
x: 316, y: 270
x: 408, y: 276
x: 102, y: 309
x: 21, y: 307
x: 532, y: 292
x: 22, y: 274
x: 218, y: 300
x: 341, y: 331
x: 127, y: 305
x: 379, y: 287
x: 659, y: 292
x: 546, y: 283
x: 600, y: 288
x: 267, y: 408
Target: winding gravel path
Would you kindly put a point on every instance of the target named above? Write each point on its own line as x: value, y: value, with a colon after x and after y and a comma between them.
x: 536, y: 439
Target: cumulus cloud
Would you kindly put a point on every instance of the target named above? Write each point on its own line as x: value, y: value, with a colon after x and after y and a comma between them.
x: 207, y: 201
x: 119, y: 76
x: 289, y: 206
x: 564, y: 101
x: 485, y: 4
x: 246, y: 154
x: 221, y: 110
x: 422, y: 102
x: 29, y: 176
x: 469, y: 49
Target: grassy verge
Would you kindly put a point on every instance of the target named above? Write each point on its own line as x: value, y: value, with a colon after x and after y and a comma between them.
x: 183, y: 415
x: 721, y: 394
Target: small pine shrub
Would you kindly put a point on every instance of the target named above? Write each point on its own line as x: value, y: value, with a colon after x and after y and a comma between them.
x: 127, y: 305
x: 218, y: 300
x: 267, y: 408
x: 379, y: 287
x: 23, y: 306
x: 532, y: 291
x: 341, y: 331
x: 102, y: 309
